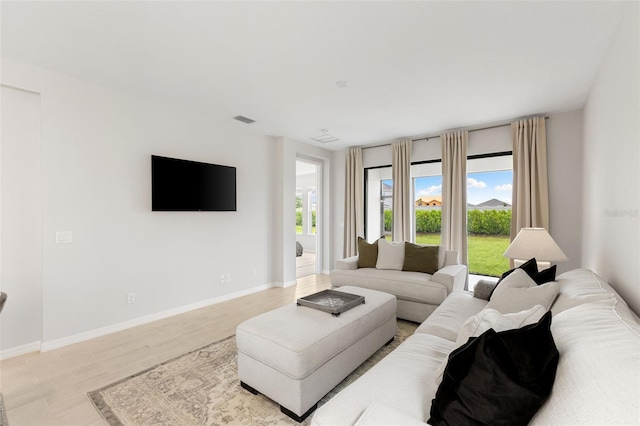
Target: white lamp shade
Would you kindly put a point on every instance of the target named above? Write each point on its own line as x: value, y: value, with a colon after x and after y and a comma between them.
x: 535, y: 242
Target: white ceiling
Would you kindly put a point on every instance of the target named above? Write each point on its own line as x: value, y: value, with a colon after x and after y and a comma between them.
x: 413, y: 68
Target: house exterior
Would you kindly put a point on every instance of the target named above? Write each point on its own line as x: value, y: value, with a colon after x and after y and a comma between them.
x: 430, y: 201
x: 492, y: 204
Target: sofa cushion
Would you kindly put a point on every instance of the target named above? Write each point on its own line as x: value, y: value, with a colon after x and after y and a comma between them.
x: 367, y: 253
x: 598, y: 377
x: 419, y: 258
x: 402, y: 381
x: 446, y: 321
x: 380, y: 414
x: 583, y: 286
x: 413, y: 286
x: 390, y: 255
x: 498, y: 378
x: 518, y: 292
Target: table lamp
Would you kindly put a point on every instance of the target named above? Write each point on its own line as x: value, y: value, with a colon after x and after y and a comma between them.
x: 534, y: 242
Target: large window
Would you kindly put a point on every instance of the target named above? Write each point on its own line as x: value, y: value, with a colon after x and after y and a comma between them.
x: 489, y: 183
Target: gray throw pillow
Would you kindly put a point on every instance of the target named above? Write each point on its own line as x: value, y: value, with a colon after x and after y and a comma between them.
x: 483, y: 289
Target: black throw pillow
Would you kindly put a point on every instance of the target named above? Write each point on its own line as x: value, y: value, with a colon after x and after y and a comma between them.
x: 545, y: 275
x: 530, y: 267
x: 498, y: 378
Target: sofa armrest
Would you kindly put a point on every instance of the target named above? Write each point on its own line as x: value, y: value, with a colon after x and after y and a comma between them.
x: 454, y: 277
x: 347, y: 263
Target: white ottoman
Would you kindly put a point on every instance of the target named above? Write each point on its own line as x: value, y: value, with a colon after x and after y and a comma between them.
x: 295, y: 355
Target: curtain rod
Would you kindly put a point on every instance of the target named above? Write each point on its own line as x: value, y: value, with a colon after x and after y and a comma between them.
x: 468, y: 129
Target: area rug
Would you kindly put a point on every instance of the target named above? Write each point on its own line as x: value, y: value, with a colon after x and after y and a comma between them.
x: 202, y: 388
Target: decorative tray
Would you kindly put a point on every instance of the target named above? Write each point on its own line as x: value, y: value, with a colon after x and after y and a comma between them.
x: 331, y: 301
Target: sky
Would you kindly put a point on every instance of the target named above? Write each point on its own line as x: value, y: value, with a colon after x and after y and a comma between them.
x: 480, y: 186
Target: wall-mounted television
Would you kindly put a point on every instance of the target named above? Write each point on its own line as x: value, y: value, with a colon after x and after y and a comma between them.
x: 182, y: 185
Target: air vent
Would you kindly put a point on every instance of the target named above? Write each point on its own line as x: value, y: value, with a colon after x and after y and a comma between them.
x: 325, y: 137
x: 244, y: 119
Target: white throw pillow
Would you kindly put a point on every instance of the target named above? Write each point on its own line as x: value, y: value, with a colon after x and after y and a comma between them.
x: 390, y: 255
x: 518, y: 292
x: 490, y: 318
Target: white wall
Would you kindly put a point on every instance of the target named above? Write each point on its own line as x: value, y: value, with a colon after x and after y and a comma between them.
x: 96, y: 148
x: 564, y: 161
x: 611, y: 200
x: 21, y: 225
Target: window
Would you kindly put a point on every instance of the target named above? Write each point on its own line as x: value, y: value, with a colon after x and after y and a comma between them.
x: 427, y: 196
x: 299, y: 195
x: 311, y: 213
x: 386, y: 208
x: 378, y: 203
x: 489, y: 182
x: 427, y: 190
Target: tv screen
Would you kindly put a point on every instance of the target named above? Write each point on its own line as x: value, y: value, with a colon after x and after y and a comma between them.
x: 182, y: 185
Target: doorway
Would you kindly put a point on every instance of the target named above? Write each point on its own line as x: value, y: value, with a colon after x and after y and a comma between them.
x: 307, y: 217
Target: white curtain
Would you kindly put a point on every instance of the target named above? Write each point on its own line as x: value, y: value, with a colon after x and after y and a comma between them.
x: 401, y: 171
x: 353, y: 201
x: 530, y: 187
x: 454, y: 192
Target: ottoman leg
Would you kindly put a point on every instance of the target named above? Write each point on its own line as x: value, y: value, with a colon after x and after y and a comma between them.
x: 249, y: 388
x: 296, y: 417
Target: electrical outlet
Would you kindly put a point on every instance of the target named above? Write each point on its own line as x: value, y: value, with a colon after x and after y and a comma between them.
x: 228, y: 278
x: 222, y: 279
x: 131, y: 298
x: 64, y: 237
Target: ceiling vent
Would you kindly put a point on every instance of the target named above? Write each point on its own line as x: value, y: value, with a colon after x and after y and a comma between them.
x: 325, y: 137
x: 244, y: 119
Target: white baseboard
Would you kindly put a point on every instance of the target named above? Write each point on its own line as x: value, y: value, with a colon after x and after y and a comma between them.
x: 285, y: 285
x: 92, y: 334
x: 20, y: 350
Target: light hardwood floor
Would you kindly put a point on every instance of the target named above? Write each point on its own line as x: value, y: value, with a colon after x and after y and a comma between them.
x: 51, y: 388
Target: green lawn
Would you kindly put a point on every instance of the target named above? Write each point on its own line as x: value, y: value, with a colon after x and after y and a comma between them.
x: 299, y: 229
x: 485, y: 252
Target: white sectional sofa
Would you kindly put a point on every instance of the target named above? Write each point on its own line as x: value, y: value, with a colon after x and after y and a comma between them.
x: 597, y: 379
x: 418, y: 293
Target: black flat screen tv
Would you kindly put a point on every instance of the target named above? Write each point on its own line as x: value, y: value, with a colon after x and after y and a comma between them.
x: 182, y: 185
